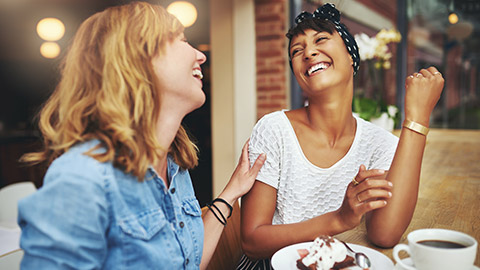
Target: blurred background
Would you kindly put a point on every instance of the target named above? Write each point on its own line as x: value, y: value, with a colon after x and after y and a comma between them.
x: 247, y: 73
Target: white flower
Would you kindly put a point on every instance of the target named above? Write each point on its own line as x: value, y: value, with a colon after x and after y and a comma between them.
x: 392, y: 110
x: 382, y: 52
x: 376, y: 47
x: 387, y: 36
x: 366, y: 46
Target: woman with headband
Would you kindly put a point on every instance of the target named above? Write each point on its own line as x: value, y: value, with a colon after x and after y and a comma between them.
x: 327, y: 168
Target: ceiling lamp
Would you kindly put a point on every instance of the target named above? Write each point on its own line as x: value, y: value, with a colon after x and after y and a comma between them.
x: 453, y: 18
x: 50, y: 29
x: 185, y: 12
x: 50, y: 50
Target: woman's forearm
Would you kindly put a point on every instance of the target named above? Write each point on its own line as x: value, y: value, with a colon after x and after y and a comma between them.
x: 213, y: 229
x: 386, y: 226
x: 265, y: 240
x: 422, y: 91
x: 261, y: 239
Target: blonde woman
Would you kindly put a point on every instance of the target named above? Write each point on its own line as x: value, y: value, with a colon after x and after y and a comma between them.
x: 326, y: 169
x: 117, y: 194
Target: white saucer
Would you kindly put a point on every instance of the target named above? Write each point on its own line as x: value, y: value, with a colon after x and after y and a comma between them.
x: 408, y: 261
x: 286, y: 258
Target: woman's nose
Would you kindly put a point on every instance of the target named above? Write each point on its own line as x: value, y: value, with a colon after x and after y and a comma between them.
x: 201, y: 57
x: 310, y: 52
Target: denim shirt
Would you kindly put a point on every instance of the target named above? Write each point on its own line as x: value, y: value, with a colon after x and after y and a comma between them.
x: 91, y: 215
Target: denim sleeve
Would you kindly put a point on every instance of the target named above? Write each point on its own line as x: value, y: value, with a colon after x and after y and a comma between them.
x: 64, y: 224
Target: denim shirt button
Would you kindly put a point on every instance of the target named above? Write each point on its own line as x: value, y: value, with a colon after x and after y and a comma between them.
x: 187, y: 261
x: 182, y: 224
x: 172, y: 190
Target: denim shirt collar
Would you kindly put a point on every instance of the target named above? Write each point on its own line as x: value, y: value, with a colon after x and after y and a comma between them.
x: 172, y: 170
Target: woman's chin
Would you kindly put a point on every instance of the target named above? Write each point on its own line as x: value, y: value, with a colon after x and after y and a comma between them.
x: 199, y: 104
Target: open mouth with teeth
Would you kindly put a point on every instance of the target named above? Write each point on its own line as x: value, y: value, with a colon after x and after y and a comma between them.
x: 317, y: 68
x: 197, y: 74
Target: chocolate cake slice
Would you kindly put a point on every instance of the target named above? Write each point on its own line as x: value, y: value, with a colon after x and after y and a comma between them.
x: 325, y: 253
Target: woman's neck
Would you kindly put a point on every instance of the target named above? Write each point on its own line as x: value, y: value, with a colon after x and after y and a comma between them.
x: 168, y: 123
x: 331, y: 113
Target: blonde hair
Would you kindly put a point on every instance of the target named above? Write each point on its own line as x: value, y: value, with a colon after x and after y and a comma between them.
x: 108, y: 91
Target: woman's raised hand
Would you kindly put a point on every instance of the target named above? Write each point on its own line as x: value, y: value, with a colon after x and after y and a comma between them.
x: 243, y: 177
x: 423, y: 89
x: 367, y: 191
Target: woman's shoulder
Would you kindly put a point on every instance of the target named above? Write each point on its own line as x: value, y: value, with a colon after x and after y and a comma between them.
x: 375, y: 133
x: 273, y: 116
x: 271, y: 130
x: 77, y: 154
x: 272, y: 124
x: 271, y: 121
x: 74, y: 178
x: 76, y: 162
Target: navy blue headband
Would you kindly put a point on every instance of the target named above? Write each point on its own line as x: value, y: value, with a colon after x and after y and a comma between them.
x: 330, y: 13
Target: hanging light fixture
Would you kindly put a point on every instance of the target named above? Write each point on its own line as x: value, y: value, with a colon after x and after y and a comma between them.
x: 452, y: 16
x: 50, y: 50
x: 185, y: 12
x: 50, y: 29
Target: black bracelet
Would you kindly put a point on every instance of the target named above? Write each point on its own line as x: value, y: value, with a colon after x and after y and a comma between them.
x: 224, y: 221
x: 221, y: 214
x: 226, y: 203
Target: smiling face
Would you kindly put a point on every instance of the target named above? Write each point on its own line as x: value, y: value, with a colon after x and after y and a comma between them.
x: 179, y: 74
x: 320, y: 60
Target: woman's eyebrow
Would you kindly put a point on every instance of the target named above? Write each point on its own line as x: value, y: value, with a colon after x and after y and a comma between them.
x: 294, y: 44
x: 321, y: 33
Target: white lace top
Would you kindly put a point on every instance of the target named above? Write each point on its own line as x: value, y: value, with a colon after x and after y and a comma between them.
x: 304, y: 190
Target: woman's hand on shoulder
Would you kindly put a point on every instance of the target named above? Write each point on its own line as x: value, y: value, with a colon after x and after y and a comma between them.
x: 423, y: 90
x: 243, y: 177
x: 368, y: 191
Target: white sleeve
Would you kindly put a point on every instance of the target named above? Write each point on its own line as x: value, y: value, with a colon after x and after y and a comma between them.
x: 384, y: 152
x: 266, y: 138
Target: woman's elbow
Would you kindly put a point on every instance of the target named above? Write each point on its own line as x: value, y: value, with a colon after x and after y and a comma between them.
x: 384, y: 239
x: 249, y: 249
x: 253, y: 248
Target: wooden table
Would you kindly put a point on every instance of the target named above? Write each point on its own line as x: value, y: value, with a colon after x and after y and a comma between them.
x: 449, y: 196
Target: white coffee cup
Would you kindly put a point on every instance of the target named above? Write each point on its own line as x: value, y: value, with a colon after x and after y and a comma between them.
x: 427, y: 257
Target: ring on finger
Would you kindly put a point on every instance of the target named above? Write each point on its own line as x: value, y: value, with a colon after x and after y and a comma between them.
x: 358, y: 199
x: 436, y: 73
x: 419, y: 75
x: 411, y: 76
x: 355, y: 182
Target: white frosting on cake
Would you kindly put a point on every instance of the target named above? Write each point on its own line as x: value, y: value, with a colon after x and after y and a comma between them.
x: 325, y: 252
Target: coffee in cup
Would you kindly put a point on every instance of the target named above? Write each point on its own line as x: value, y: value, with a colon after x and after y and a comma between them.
x: 438, y: 249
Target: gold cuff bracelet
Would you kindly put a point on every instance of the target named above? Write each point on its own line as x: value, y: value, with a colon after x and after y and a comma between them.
x: 416, y: 127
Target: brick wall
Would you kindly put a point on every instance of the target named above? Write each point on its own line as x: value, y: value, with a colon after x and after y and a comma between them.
x: 270, y: 27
